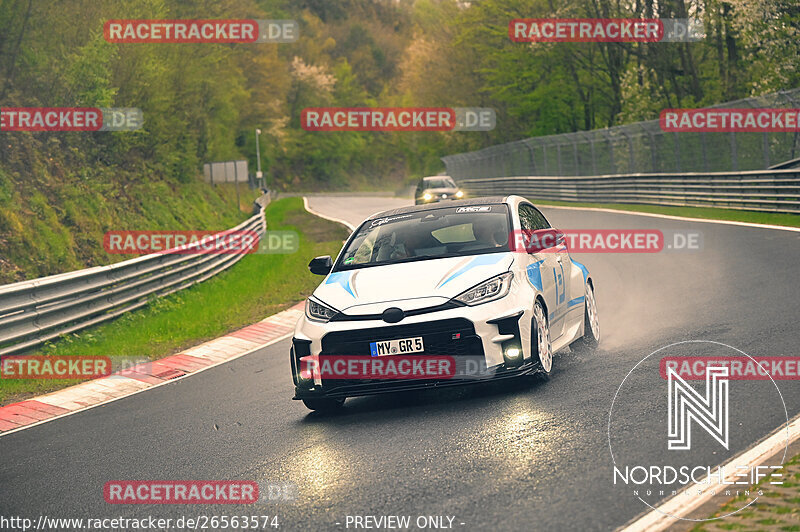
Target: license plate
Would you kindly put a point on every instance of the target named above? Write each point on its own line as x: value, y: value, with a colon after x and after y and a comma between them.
x: 396, y: 347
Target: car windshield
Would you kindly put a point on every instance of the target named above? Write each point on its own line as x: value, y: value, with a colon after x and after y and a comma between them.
x: 428, y: 234
x: 438, y: 183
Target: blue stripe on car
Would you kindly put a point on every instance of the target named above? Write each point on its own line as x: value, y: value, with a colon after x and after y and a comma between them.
x: 480, y: 260
x: 583, y: 269
x: 576, y: 301
x: 535, y: 275
x: 342, y: 279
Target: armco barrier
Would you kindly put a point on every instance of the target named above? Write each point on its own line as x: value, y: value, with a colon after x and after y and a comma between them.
x: 758, y: 190
x: 33, y: 312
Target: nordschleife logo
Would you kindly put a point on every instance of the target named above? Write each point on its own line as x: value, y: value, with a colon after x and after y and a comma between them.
x: 709, y: 411
x: 720, y: 402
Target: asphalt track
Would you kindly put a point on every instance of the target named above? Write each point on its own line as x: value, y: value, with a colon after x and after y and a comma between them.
x: 519, y: 456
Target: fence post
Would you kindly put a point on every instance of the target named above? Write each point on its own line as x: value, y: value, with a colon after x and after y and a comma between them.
x: 544, y: 158
x: 532, y: 168
x: 236, y: 184
x: 575, y: 152
x: 594, y: 159
x: 653, y: 157
x: 558, y: 154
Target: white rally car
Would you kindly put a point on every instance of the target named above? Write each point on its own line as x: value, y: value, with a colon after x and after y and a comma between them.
x: 444, y: 280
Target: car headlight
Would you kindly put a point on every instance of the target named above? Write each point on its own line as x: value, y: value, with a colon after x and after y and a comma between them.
x: 494, y: 288
x: 318, y: 312
x: 427, y: 197
x: 460, y: 194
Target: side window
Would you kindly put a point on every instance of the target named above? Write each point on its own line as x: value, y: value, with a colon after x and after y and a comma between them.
x: 364, y: 246
x: 541, y: 220
x: 531, y: 218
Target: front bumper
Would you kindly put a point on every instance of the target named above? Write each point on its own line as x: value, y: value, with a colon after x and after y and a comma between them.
x: 369, y: 388
x: 483, y: 333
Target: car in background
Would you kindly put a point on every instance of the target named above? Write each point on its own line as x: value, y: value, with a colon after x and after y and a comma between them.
x: 436, y: 188
x: 446, y: 280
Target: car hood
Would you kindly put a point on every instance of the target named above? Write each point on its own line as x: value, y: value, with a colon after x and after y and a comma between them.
x: 409, y: 285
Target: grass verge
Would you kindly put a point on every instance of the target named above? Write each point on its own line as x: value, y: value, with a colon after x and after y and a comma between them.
x: 57, y: 225
x: 706, y: 213
x: 257, y: 286
x: 777, y: 509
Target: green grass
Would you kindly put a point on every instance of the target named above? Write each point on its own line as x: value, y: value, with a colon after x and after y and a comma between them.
x: 761, y: 514
x: 256, y: 287
x: 707, y: 213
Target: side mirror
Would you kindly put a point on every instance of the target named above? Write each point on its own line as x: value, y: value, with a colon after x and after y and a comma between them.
x: 321, y: 265
x: 540, y: 240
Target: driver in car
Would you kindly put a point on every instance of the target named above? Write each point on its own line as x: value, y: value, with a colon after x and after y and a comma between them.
x: 408, y: 245
x: 488, y: 234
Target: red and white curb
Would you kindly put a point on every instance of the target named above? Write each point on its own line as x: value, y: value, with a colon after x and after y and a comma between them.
x: 96, y: 392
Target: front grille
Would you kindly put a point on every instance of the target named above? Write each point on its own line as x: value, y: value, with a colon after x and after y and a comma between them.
x: 454, y: 337
x: 437, y: 336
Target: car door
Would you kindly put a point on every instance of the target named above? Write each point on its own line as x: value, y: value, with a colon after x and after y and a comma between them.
x: 546, y: 268
x: 562, y: 273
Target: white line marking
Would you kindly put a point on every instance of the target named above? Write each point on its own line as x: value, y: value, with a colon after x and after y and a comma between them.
x: 660, y: 517
x: 670, y: 217
x: 83, y: 409
x: 345, y: 223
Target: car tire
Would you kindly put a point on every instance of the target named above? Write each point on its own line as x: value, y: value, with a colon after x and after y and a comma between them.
x: 324, y: 404
x: 591, y: 323
x: 540, y: 341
